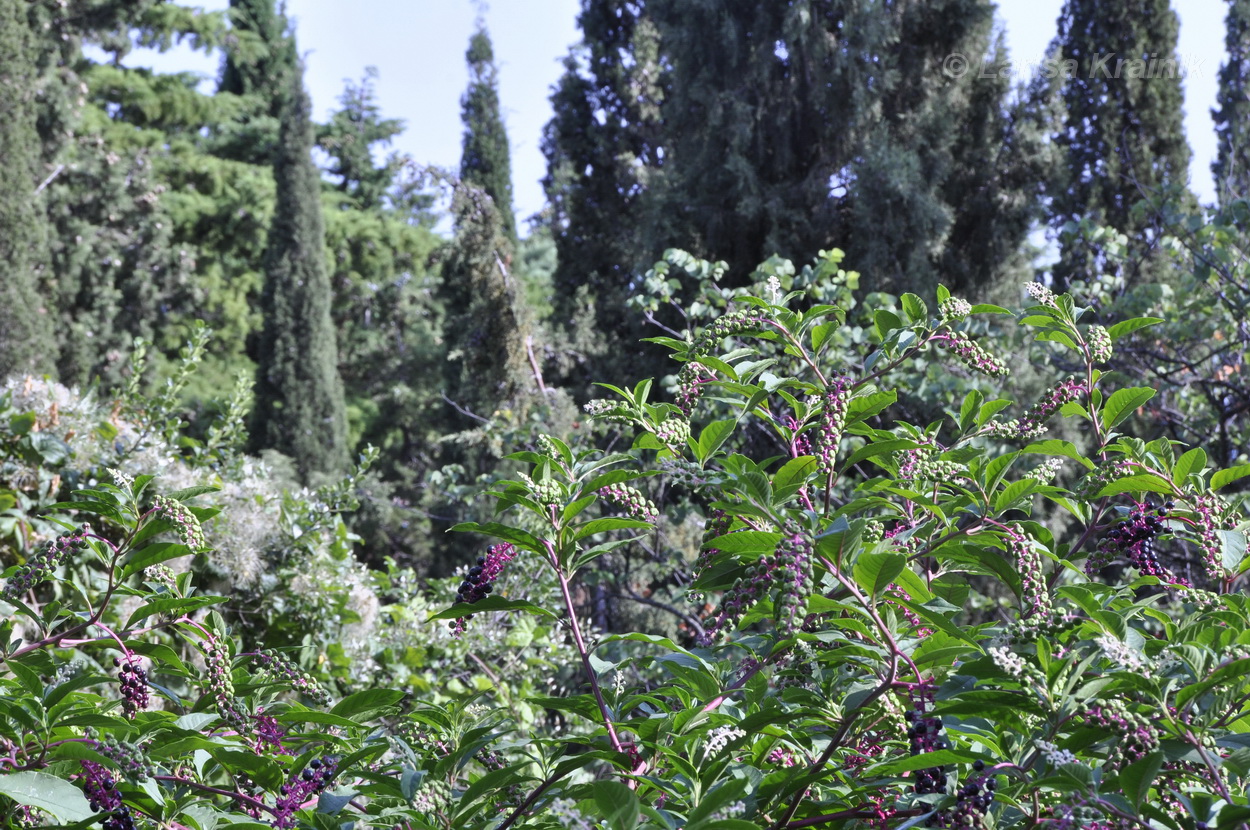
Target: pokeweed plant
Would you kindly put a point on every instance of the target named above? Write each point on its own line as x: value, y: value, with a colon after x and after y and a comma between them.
x: 837, y: 680
x: 833, y: 679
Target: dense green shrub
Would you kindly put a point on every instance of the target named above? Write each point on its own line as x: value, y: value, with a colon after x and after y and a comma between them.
x: 963, y: 622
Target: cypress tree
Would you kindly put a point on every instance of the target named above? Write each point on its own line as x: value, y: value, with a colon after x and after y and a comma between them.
x: 1123, y: 139
x: 25, y: 340
x: 257, y: 62
x: 1232, y: 117
x: 299, y: 394
x: 484, y: 158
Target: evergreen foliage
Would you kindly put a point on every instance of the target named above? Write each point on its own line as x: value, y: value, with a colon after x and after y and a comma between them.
x: 485, y: 161
x: 25, y: 324
x: 349, y: 139
x: 299, y: 394
x: 742, y: 131
x: 1232, y: 116
x: 1122, y: 139
x: 259, y: 56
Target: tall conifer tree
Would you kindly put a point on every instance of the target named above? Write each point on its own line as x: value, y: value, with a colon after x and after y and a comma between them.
x: 485, y: 161
x: 25, y: 341
x: 258, y: 60
x: 299, y: 394
x: 1123, y: 139
x: 1232, y: 117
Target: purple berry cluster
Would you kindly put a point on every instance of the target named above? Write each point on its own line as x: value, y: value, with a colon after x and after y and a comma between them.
x: 632, y: 500
x: 302, y: 788
x: 972, y: 800
x: 269, y: 735
x: 972, y: 354
x: 275, y: 668
x: 99, y: 787
x: 924, y: 735
x: 134, y: 683
x: 1133, y: 538
x: 44, y: 560
x: 479, y: 582
x: 837, y: 399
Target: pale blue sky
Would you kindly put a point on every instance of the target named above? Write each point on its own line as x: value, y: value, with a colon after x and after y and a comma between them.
x: 418, y: 47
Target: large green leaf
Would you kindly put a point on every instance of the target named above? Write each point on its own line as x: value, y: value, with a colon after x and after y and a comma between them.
x: 56, y: 797
x: 1120, y: 405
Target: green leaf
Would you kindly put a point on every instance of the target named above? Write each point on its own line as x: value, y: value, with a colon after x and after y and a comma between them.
x: 713, y: 436
x: 968, y: 412
x: 56, y: 797
x: 745, y: 541
x: 1193, y: 461
x: 1232, y: 549
x: 153, y: 555
x: 1136, y: 778
x: 885, y: 322
x: 1063, y: 449
x: 1128, y: 326
x: 1013, y: 493
x: 173, y: 606
x: 792, y: 476
x: 618, y: 805
x: 987, y: 308
x: 1144, y: 483
x: 1226, y: 477
x: 501, y: 531
x: 493, y: 603
x: 941, y: 757
x: 604, y: 525
x: 914, y: 308
x: 367, y: 702
x: 192, y: 492
x: 875, y: 571
x: 1122, y: 404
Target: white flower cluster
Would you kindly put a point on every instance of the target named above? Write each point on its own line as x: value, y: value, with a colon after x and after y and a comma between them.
x: 719, y: 738
x: 1054, y: 755
x: 1118, y: 652
x: 1008, y: 660
x: 729, y: 811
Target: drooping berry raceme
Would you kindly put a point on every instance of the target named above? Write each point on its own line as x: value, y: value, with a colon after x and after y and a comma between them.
x: 673, y: 432
x: 972, y: 800
x: 792, y: 577
x: 134, y: 683
x: 786, y: 575
x: 221, y: 684
x: 1208, y: 522
x: 717, y: 525
x: 1134, y: 539
x: 690, y: 382
x: 1034, y: 591
x: 924, y: 464
x: 615, y: 412
x: 131, y: 759
x: 99, y: 787
x: 185, y: 522
x: 1135, y: 736
x: 44, y: 560
x: 301, y: 788
x: 275, y: 668
x: 924, y: 735
x: 727, y: 325
x: 631, y: 500
x: 972, y: 354
x: 479, y: 582
x: 836, y: 400
x: 1033, y: 423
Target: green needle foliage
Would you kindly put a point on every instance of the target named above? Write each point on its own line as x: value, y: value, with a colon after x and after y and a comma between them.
x: 1123, y: 139
x: 484, y: 158
x: 299, y: 394
x: 25, y: 326
x: 1232, y: 117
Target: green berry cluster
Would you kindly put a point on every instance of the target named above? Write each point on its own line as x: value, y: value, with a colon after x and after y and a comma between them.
x: 728, y: 325
x: 631, y: 500
x: 275, y: 668
x: 44, y: 560
x: 673, y: 432
x: 185, y: 522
